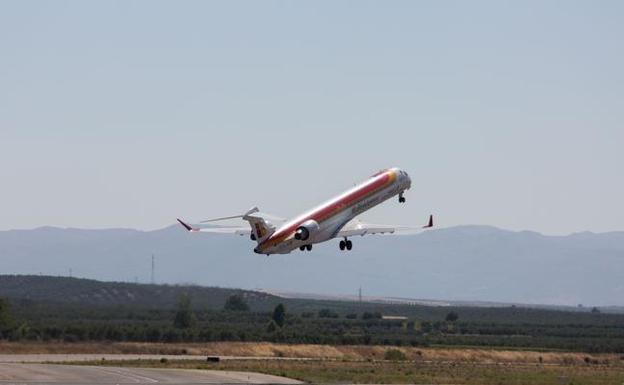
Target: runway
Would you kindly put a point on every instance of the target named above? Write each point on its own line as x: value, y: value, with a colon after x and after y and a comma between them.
x: 47, y: 358
x: 41, y: 374
x: 86, y: 357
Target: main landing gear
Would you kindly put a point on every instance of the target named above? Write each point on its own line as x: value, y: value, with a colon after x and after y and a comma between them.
x: 346, y: 244
x: 305, y: 247
x: 401, y: 198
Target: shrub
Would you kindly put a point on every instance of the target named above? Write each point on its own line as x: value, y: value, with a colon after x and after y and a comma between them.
x: 394, y: 355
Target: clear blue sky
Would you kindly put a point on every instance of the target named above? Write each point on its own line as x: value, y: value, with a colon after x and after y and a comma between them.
x: 130, y: 113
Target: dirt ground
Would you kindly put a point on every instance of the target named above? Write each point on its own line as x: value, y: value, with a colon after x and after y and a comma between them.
x: 347, y: 353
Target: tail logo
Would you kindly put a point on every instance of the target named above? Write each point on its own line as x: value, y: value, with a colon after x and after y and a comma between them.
x: 259, y: 231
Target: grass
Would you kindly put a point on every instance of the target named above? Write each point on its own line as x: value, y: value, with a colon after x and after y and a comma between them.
x: 366, y: 364
x: 335, y: 352
x: 385, y: 372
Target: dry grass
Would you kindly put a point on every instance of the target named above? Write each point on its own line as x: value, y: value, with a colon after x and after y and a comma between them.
x: 384, y: 372
x: 341, y: 353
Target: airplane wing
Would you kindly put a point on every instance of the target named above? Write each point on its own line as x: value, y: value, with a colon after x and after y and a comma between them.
x: 356, y: 227
x: 216, y: 229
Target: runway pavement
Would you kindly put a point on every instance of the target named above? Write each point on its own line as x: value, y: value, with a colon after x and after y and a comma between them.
x: 40, y: 374
x: 43, y: 358
x: 81, y: 357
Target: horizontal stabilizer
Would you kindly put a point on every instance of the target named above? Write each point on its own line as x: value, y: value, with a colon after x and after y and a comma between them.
x: 186, y: 226
x: 216, y: 229
x: 251, y: 211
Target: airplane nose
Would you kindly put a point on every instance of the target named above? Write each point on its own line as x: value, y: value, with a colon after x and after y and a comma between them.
x: 256, y: 250
x: 408, y: 180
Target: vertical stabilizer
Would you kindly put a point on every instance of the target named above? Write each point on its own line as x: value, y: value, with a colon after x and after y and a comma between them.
x: 261, y: 229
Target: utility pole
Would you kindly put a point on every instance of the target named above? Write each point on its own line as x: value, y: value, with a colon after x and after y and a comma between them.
x: 153, y: 267
x: 70, y: 272
x: 360, y: 294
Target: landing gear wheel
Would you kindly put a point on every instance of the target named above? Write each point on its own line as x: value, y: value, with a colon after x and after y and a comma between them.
x: 309, y: 247
x: 342, y: 245
x: 302, y: 247
x: 401, y: 198
x: 349, y: 245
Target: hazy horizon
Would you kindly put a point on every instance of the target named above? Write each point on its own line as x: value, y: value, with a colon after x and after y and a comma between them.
x: 242, y: 223
x: 460, y: 263
x: 130, y: 114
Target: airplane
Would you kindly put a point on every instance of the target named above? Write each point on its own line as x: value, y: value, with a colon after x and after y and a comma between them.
x: 332, y: 219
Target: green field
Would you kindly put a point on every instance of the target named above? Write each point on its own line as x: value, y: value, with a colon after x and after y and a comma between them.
x: 53, y: 309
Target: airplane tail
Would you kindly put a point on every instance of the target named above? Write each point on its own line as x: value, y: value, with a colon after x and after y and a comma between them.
x: 261, y: 229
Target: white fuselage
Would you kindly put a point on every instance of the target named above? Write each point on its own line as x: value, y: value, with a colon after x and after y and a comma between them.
x: 326, y: 220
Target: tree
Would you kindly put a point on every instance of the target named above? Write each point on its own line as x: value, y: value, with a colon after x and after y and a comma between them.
x: 184, y: 318
x: 236, y: 302
x: 371, y: 315
x: 327, y: 313
x: 595, y: 310
x: 452, y: 317
x: 279, y: 315
x: 6, y: 320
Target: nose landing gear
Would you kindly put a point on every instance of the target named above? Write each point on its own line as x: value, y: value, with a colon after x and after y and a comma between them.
x: 305, y: 247
x: 401, y: 198
x: 346, y: 244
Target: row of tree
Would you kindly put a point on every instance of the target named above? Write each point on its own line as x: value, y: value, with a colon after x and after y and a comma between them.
x: 333, y: 324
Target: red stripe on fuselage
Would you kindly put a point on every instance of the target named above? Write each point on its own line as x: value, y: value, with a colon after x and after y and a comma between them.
x: 332, y: 208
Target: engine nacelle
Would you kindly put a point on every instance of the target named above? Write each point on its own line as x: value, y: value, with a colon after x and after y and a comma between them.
x: 306, y: 230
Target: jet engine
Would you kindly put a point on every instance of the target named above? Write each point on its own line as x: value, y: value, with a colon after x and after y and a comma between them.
x: 306, y: 229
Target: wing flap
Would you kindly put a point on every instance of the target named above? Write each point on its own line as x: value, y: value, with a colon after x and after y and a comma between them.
x: 362, y: 229
x: 356, y: 227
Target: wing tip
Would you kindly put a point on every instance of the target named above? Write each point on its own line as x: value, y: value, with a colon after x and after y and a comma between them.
x: 430, y: 223
x: 185, y: 225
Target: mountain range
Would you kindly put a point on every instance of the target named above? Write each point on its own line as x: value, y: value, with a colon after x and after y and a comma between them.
x: 463, y: 263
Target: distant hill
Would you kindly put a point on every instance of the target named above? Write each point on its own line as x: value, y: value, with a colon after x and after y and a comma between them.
x: 467, y: 263
x: 90, y: 292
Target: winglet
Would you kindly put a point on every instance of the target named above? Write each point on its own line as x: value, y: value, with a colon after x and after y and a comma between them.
x: 430, y: 224
x: 186, y: 226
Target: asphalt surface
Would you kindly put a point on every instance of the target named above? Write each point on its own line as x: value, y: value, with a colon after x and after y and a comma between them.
x: 61, y: 358
x: 40, y: 374
x: 43, y: 358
